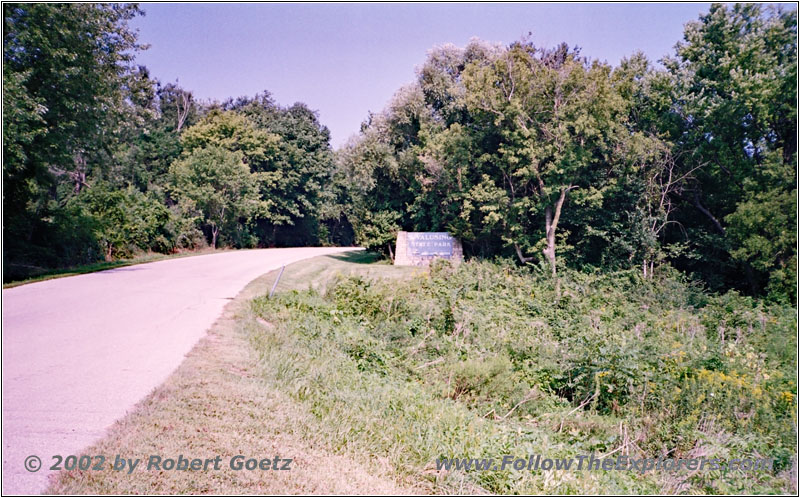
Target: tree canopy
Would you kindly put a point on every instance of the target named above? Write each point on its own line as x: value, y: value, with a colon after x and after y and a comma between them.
x: 534, y: 152
x: 540, y: 154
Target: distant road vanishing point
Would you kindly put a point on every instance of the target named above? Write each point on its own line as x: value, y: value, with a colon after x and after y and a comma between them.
x: 78, y: 352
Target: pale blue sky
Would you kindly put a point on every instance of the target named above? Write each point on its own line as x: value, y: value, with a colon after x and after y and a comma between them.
x: 344, y: 60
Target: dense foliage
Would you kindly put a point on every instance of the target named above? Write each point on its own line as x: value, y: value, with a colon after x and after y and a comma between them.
x: 536, y: 153
x: 476, y: 361
x: 523, y: 150
x: 102, y: 161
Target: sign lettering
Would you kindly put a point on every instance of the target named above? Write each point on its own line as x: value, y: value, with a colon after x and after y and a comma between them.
x: 430, y: 244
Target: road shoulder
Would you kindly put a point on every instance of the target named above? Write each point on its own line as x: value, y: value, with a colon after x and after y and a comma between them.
x: 218, y: 403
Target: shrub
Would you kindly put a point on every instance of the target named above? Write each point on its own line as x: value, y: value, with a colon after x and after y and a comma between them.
x: 614, y: 359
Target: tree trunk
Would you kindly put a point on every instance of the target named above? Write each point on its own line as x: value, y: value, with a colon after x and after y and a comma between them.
x: 550, y: 237
x: 522, y: 259
x: 551, y: 225
x: 702, y: 209
x: 391, y: 254
x: 79, y: 173
x: 182, y: 112
x: 214, y: 232
x: 647, y: 268
x: 80, y: 180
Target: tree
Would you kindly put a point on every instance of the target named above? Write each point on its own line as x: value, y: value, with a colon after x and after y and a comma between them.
x: 125, y: 221
x: 762, y: 229
x: 231, y: 131
x: 368, y: 169
x: 72, y: 60
x: 234, y: 131
x: 556, y: 118
x: 177, y: 105
x: 216, y: 186
x: 733, y: 111
x: 293, y: 177
x: 64, y: 72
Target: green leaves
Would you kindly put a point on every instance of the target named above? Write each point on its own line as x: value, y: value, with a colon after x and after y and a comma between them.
x: 761, y: 229
x: 519, y: 149
x: 65, y: 69
x: 514, y: 149
x: 287, y: 153
x: 736, y: 97
x: 125, y: 221
x: 234, y: 132
x: 216, y: 185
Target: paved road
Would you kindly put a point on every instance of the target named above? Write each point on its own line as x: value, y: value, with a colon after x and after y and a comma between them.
x: 78, y: 352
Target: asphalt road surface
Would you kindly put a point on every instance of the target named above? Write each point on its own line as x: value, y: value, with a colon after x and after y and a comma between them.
x: 78, y: 352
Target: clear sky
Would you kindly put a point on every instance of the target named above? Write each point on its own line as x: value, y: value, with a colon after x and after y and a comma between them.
x: 344, y: 60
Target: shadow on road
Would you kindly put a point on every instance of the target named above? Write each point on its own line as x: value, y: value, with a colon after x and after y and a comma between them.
x: 357, y: 257
x: 118, y: 270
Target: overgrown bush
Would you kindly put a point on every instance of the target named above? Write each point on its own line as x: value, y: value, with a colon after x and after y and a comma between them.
x: 126, y: 221
x: 655, y: 367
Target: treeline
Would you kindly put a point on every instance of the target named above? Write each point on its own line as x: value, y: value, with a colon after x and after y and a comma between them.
x: 102, y: 161
x: 535, y: 153
x: 555, y: 159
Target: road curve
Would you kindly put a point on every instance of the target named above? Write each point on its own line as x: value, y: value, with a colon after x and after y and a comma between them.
x: 78, y: 352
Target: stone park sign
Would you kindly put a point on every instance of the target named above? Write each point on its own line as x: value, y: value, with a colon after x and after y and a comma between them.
x: 420, y: 248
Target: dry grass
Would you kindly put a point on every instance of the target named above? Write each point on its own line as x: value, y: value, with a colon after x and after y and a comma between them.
x: 218, y: 402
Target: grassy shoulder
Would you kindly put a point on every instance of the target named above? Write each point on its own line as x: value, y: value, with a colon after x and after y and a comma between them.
x: 389, y: 369
x: 105, y: 265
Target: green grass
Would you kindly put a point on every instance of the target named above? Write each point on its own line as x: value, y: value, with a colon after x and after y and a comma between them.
x: 484, y: 360
x: 42, y: 274
x: 385, y: 369
x: 318, y: 273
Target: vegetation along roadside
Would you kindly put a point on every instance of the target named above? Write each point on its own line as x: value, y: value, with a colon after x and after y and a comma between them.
x: 393, y: 368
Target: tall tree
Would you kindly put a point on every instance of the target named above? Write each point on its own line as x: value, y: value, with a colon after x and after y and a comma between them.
x: 215, y: 185
x: 65, y: 67
x: 557, y: 118
x: 735, y: 104
x: 294, y: 175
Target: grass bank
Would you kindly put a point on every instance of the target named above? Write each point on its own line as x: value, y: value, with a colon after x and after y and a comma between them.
x: 393, y: 368
x: 485, y: 360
